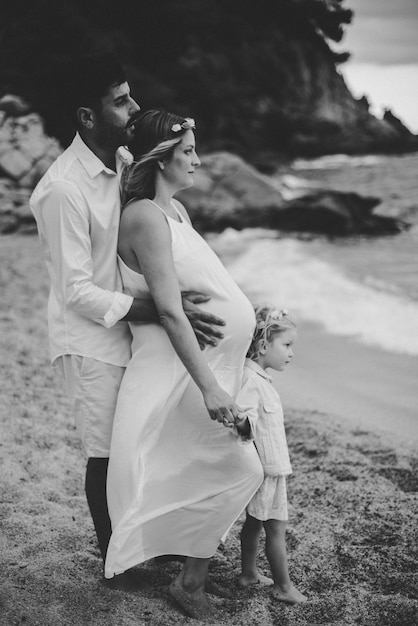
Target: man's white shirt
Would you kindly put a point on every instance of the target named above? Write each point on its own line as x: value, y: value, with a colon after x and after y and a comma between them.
x: 77, y: 209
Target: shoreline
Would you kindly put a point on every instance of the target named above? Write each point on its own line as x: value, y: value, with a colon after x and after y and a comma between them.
x: 363, y: 387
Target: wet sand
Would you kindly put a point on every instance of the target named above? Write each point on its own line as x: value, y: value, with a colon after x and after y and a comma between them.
x: 364, y: 387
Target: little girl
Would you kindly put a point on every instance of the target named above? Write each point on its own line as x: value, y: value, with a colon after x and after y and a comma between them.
x: 272, y: 346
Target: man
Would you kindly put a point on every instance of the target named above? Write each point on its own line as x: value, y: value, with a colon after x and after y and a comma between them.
x: 77, y: 207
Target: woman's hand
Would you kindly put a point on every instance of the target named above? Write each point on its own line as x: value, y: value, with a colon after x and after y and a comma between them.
x: 221, y: 406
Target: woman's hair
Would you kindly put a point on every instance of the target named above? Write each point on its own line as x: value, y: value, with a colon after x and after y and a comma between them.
x: 269, y: 322
x: 156, y: 135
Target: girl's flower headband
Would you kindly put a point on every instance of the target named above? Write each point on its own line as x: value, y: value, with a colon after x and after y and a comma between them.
x: 188, y: 124
x: 273, y: 315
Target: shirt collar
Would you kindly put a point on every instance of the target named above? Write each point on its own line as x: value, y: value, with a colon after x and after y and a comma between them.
x: 93, y: 165
x: 257, y: 369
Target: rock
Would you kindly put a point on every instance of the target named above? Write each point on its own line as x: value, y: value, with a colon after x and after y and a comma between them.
x: 230, y: 193
x: 226, y: 191
x: 6, y: 187
x: 7, y: 206
x: 228, y: 178
x: 13, y: 106
x: 24, y: 213
x: 9, y: 223
x: 26, y: 151
x: 28, y: 228
x: 398, y: 126
x: 14, y: 163
x: 336, y: 213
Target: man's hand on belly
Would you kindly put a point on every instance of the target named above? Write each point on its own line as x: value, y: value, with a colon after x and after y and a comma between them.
x: 204, y: 324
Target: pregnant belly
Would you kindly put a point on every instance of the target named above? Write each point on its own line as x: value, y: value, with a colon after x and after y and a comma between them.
x: 238, y: 314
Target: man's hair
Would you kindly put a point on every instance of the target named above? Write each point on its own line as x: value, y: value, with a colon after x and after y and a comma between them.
x: 87, y: 79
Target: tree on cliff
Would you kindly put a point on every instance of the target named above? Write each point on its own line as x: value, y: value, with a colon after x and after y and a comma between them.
x: 256, y: 74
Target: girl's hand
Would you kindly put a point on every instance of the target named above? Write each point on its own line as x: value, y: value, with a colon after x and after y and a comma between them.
x: 242, y: 424
x: 221, y: 406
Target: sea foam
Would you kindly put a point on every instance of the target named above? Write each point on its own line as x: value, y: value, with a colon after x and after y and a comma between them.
x: 282, y: 272
x: 336, y: 161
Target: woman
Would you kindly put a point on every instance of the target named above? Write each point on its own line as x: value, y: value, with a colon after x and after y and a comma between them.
x: 177, y: 480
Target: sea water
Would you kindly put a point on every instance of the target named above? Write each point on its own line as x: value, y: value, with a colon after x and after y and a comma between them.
x: 365, y: 288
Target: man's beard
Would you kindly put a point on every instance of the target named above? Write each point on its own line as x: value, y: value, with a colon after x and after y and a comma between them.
x: 116, y: 137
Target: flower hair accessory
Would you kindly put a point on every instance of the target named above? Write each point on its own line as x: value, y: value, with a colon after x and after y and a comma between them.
x: 273, y: 315
x: 125, y: 155
x: 188, y: 124
x: 279, y: 315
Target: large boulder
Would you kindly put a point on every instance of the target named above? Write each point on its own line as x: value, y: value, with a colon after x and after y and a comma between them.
x: 336, y: 213
x: 230, y: 193
x: 225, y: 189
x: 26, y: 152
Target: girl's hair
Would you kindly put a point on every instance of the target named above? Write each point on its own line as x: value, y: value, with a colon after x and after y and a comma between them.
x: 156, y: 135
x: 269, y: 322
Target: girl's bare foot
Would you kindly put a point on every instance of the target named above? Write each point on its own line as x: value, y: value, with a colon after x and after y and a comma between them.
x: 291, y: 595
x: 246, y: 580
x: 194, y: 603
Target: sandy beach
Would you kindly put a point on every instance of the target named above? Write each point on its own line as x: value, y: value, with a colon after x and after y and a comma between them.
x: 352, y: 424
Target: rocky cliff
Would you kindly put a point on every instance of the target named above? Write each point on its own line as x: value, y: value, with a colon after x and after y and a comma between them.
x: 323, y: 115
x: 271, y: 88
x: 261, y: 78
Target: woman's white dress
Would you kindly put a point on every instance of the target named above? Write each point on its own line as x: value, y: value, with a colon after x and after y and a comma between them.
x: 177, y: 480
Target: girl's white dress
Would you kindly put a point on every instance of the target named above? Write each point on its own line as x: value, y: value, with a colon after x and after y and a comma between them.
x: 177, y: 480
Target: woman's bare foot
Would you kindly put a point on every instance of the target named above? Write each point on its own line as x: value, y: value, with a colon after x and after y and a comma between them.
x: 216, y: 590
x: 291, y: 595
x: 246, y: 580
x: 194, y: 603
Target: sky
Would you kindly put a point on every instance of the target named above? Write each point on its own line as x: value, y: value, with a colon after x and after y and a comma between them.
x: 383, y: 41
